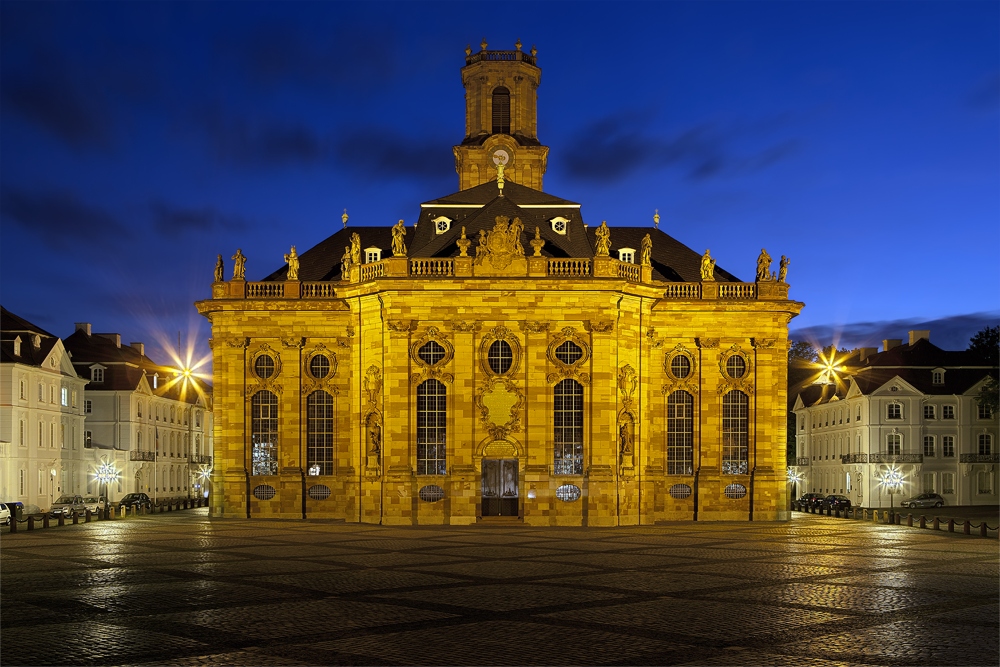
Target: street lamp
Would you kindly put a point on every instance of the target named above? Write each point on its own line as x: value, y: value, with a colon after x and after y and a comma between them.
x: 794, y: 478
x: 892, y: 480
x: 106, y: 473
x: 203, y: 475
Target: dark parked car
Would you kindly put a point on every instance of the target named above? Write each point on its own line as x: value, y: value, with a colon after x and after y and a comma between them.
x: 811, y: 499
x: 924, y: 500
x: 135, y: 500
x: 837, y: 502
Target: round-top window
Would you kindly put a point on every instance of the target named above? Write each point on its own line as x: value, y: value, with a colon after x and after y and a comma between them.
x: 500, y: 357
x: 319, y: 366
x: 736, y: 367
x: 680, y: 366
x: 263, y: 366
x: 431, y: 353
x: 569, y: 352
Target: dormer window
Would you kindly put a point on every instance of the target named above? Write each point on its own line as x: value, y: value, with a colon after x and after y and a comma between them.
x: 97, y: 374
x: 156, y: 380
x: 559, y: 225
x: 937, y: 376
x: 626, y: 255
x: 373, y: 254
x: 36, y: 341
x: 17, y: 346
x: 441, y: 224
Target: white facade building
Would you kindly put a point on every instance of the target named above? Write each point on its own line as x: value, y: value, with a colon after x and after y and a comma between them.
x: 43, y: 450
x: 910, y: 408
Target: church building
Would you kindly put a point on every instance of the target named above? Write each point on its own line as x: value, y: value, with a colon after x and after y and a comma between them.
x: 500, y: 359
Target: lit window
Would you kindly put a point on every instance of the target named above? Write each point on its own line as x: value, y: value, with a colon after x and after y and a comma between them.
x: 431, y: 353
x: 947, y: 412
x: 928, y: 445
x: 680, y: 433
x: 97, y: 375
x: 937, y: 377
x: 569, y: 352
x: 373, y: 255
x: 567, y: 414
x: 985, y: 443
x: 929, y: 412
x: 264, y: 433
x: 319, y: 433
x: 64, y: 397
x: 500, y: 356
x: 894, y: 444
x: 17, y: 347
x: 432, y: 428
x: 559, y: 225
x: 626, y: 255
x: 441, y: 224
x: 894, y: 411
x: 735, y: 432
x: 947, y: 445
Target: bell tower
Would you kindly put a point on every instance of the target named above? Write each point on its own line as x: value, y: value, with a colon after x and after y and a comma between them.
x: 501, y: 118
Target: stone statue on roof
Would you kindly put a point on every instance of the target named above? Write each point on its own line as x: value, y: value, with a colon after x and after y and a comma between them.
x: 646, y: 251
x: 293, y: 264
x: 764, y: 267
x: 398, y: 232
x: 240, y: 266
x: 355, y: 249
x: 603, y: 235
x: 783, y: 269
x: 707, y: 266
x: 220, y: 270
x: 345, y: 263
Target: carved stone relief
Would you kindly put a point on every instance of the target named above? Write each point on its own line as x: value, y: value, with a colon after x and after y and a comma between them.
x: 499, y: 402
x: 428, y: 371
x: 564, y: 370
x: 499, y: 333
x: 744, y: 383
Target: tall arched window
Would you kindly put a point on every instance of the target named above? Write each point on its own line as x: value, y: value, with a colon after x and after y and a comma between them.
x: 735, y: 433
x: 138, y: 440
x: 264, y: 433
x: 319, y: 433
x: 680, y: 433
x: 432, y: 427
x: 501, y: 111
x: 567, y: 417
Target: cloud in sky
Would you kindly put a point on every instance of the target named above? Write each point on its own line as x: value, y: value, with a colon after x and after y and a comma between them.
x: 60, y: 218
x: 618, y: 145
x: 172, y: 221
x: 382, y: 152
x: 267, y: 143
x: 949, y: 333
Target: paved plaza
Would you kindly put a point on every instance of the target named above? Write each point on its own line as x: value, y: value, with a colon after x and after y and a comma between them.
x: 185, y: 589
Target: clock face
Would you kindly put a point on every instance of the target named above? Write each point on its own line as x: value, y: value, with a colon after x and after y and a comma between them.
x: 500, y: 156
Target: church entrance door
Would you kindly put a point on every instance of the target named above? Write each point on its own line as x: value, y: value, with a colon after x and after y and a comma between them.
x: 500, y: 487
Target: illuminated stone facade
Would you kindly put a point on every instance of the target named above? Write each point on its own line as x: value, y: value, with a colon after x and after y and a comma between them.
x: 511, y: 364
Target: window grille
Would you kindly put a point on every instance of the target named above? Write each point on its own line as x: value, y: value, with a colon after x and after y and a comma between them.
x: 947, y: 412
x: 431, y: 353
x: 319, y: 432
x: 432, y: 427
x: 735, y: 433
x: 736, y: 367
x: 500, y: 356
x: 680, y: 433
x: 568, y: 424
x: 928, y: 445
x: 568, y: 493
x: 569, y: 352
x: 88, y: 407
x: 501, y: 111
x: 680, y: 367
x: 928, y: 412
x: 263, y: 366
x: 894, y: 411
x: 96, y: 375
x: 261, y: 492
x: 735, y: 491
x: 431, y: 493
x: 319, y: 366
x: 264, y: 433
x: 319, y: 492
x: 680, y: 491
x: 947, y: 445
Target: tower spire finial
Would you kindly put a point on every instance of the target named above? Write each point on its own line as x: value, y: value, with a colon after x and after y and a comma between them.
x: 656, y: 218
x: 343, y: 218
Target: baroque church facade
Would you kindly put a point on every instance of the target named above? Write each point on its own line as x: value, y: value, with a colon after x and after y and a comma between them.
x: 500, y: 359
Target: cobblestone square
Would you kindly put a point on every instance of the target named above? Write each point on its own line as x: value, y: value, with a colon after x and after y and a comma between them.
x: 187, y: 589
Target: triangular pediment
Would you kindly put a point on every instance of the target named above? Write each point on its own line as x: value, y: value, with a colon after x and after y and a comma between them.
x: 897, y: 386
x: 853, y: 390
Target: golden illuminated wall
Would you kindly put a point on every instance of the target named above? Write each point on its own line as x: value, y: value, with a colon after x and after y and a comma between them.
x: 629, y: 334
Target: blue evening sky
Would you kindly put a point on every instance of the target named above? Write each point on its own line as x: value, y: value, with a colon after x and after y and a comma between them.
x: 861, y: 139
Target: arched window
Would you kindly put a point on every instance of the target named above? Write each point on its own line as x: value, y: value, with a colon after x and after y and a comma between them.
x: 138, y: 440
x: 432, y: 428
x: 735, y: 433
x: 680, y: 433
x: 567, y: 417
x: 264, y: 433
x: 319, y: 433
x: 501, y: 111
x: 500, y: 356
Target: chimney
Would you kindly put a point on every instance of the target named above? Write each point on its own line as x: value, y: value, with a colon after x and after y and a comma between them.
x: 917, y: 334
x: 113, y: 337
x: 84, y: 327
x: 865, y: 352
x: 140, y: 348
x: 889, y: 343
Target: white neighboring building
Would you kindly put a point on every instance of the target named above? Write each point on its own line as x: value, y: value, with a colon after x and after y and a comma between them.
x: 156, y: 428
x: 911, y: 408
x: 42, y: 447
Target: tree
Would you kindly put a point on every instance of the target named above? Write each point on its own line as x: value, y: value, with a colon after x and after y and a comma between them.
x: 989, y: 395
x: 986, y: 344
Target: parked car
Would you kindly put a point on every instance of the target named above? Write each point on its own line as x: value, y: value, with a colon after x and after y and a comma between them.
x: 837, y: 502
x: 16, y: 509
x: 811, y: 499
x: 68, y: 506
x: 95, y: 504
x: 4, y: 515
x: 924, y: 500
x: 135, y: 500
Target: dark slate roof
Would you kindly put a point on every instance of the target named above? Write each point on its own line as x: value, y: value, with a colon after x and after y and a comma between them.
x: 814, y: 394
x: 923, y: 353
x: 124, y: 366
x: 477, y: 208
x: 12, y: 326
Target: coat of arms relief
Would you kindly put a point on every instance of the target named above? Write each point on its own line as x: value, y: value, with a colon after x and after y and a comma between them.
x: 500, y: 251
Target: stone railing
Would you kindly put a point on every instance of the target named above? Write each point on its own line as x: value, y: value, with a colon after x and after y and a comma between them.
x: 854, y: 458
x: 802, y: 461
x: 141, y: 456
x: 896, y: 458
x: 629, y: 272
x: 201, y: 459
x: 317, y: 290
x: 432, y: 267
x: 979, y: 458
x: 568, y: 268
x: 372, y: 271
x: 513, y: 56
x: 737, y: 291
x: 682, y: 291
x: 266, y: 290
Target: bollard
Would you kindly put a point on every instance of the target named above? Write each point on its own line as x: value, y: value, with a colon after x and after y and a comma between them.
x: 951, y: 525
x: 937, y: 523
x: 75, y: 519
x: 62, y: 520
x: 923, y: 521
x: 982, y: 529
x: 899, y: 519
x: 967, y: 527
x: 909, y: 520
x: 31, y: 523
x: 86, y: 515
x: 45, y: 521
x: 121, y: 512
x: 13, y: 525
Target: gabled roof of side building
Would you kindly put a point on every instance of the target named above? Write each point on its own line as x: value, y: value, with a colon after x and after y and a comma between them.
x: 12, y: 326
